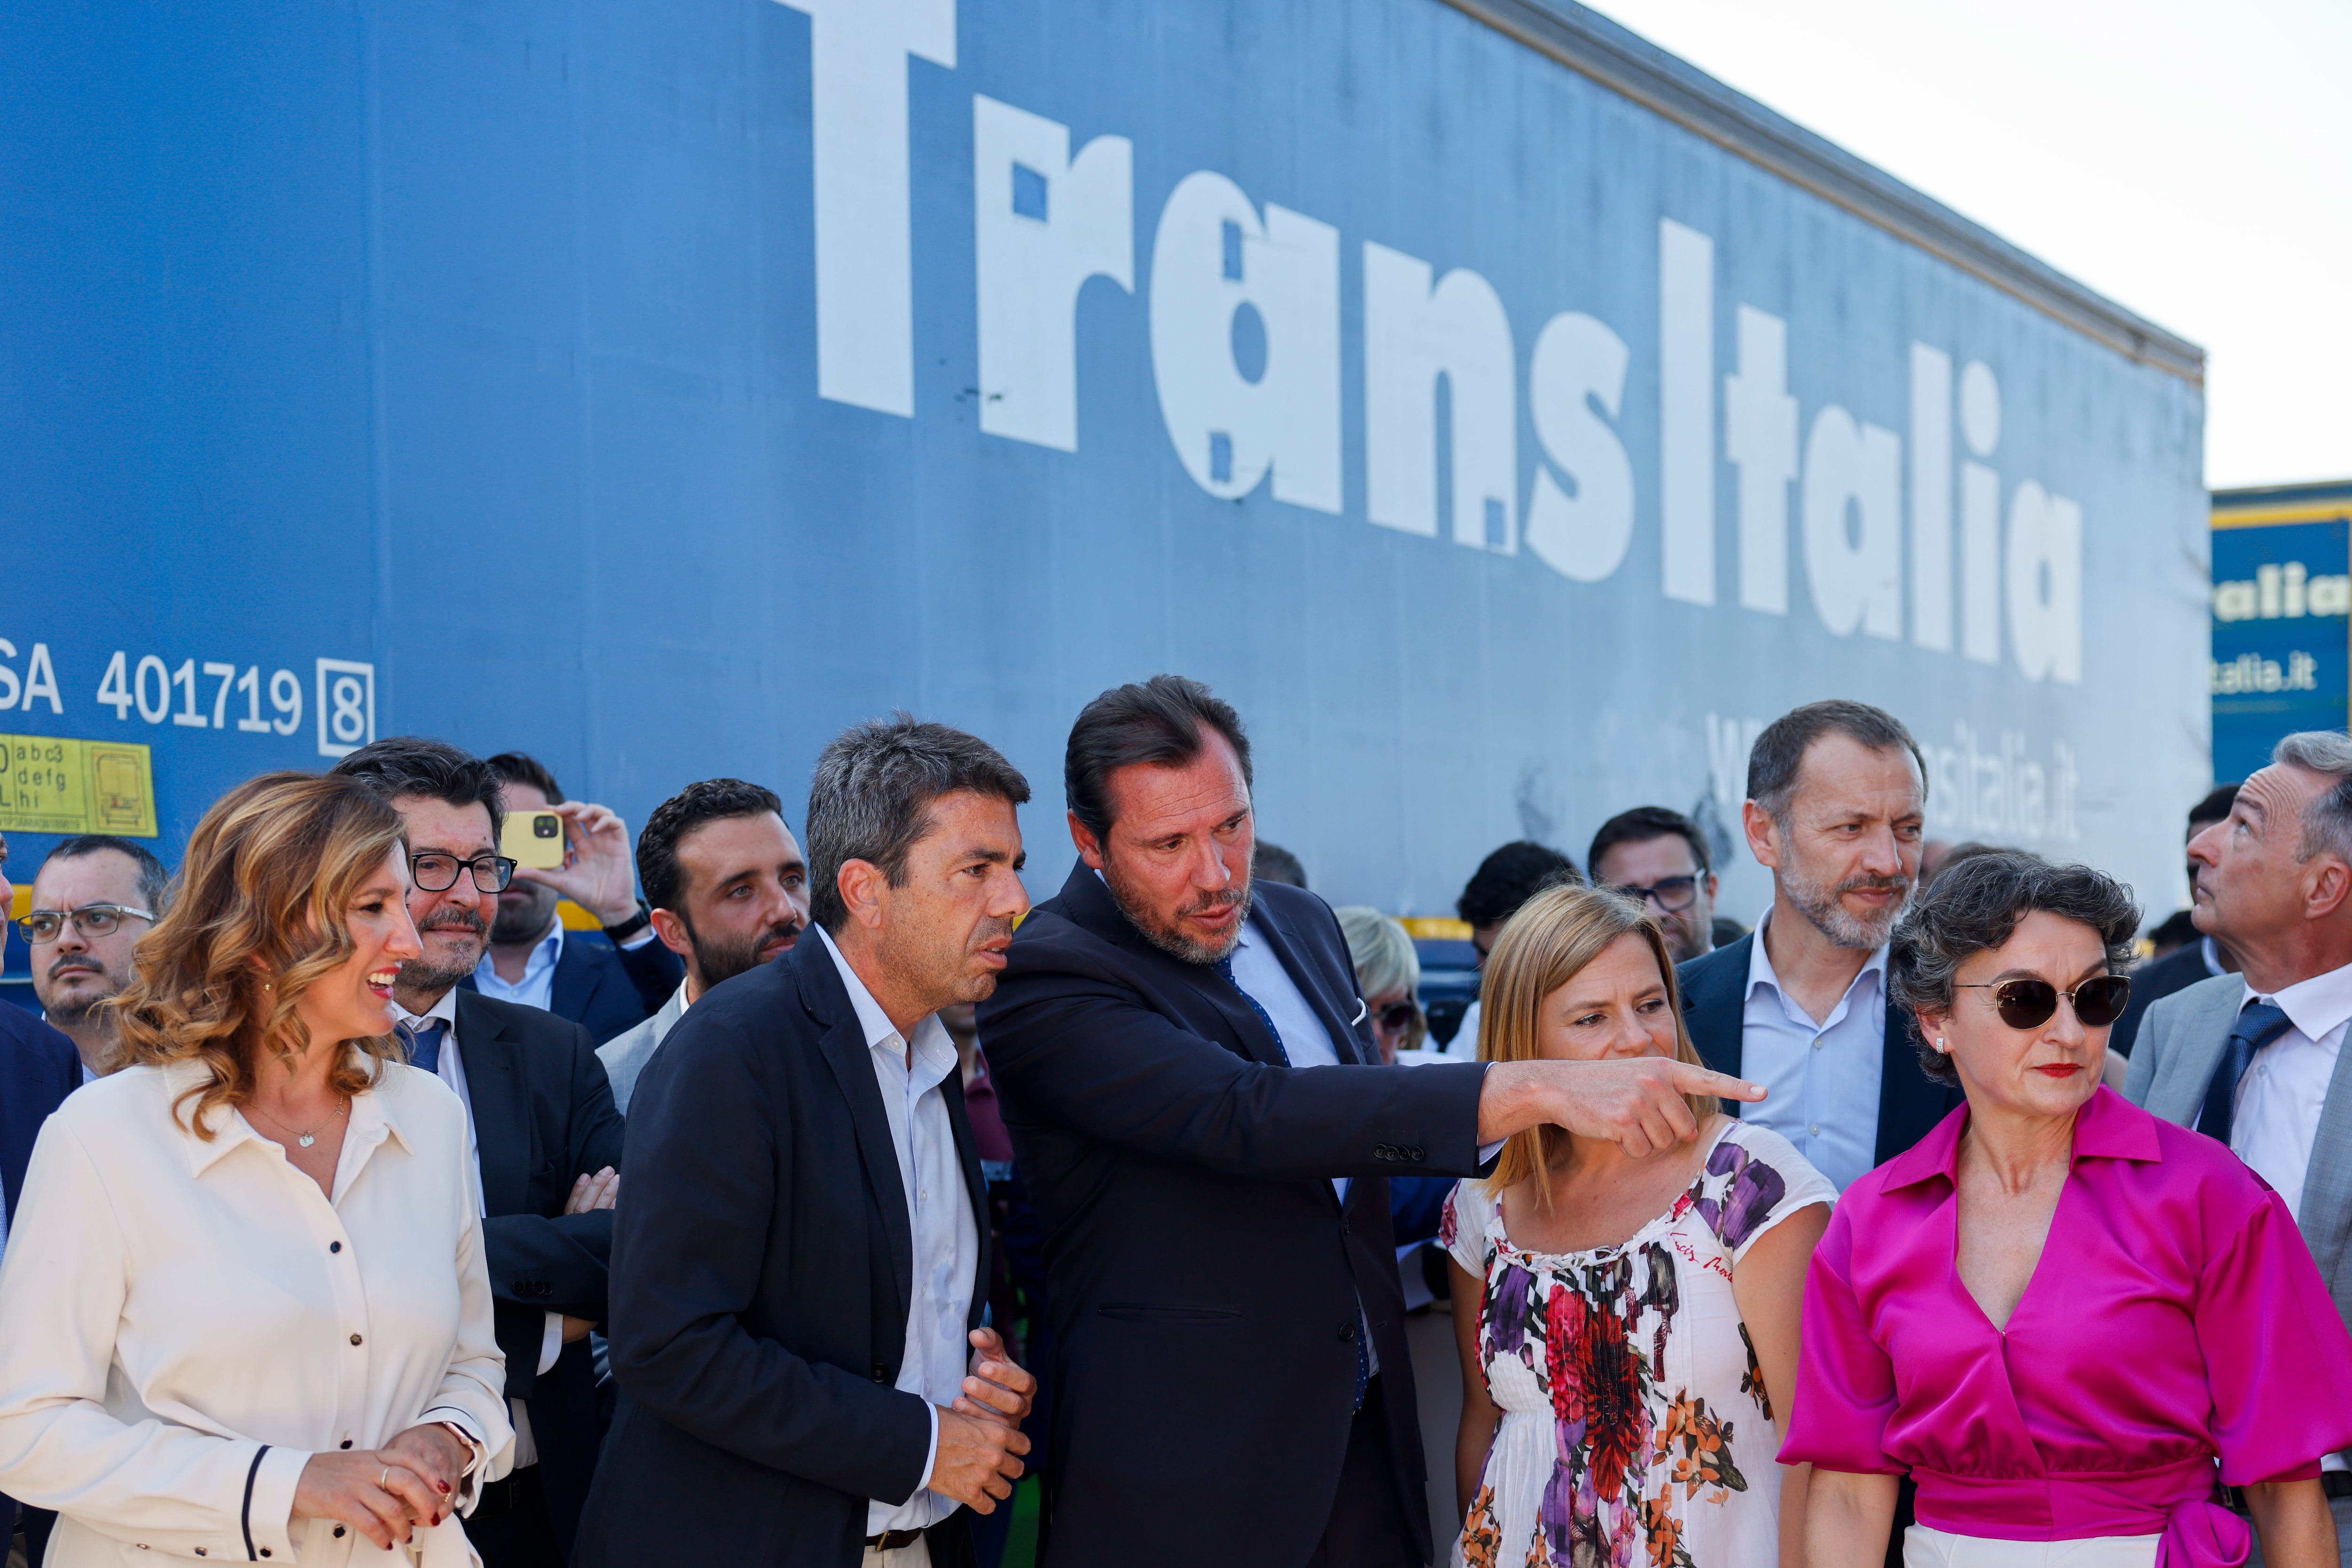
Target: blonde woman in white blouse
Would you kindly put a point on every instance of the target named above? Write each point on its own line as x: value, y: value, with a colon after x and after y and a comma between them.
x: 243, y: 1312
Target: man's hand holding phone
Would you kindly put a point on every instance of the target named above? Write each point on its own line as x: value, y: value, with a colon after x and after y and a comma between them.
x: 594, y: 869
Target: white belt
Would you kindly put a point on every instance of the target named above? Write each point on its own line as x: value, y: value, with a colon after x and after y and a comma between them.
x: 1926, y: 1547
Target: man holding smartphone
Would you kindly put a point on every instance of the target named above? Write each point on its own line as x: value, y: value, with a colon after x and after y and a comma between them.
x: 605, y: 990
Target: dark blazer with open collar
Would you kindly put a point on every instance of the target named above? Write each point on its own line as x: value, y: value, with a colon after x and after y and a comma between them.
x: 1204, y: 1278
x: 762, y: 1273
x: 543, y: 1117
x: 1715, y: 1004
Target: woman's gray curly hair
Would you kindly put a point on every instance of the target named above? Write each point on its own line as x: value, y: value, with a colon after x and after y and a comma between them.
x: 1974, y: 907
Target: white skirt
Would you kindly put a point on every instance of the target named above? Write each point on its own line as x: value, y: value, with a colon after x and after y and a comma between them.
x: 1926, y: 1548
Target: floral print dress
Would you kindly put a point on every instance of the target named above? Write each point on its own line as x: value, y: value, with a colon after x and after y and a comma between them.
x: 1636, y: 1432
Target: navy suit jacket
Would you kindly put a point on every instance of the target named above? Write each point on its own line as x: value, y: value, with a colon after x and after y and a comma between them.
x: 1204, y: 1277
x: 762, y: 1273
x: 607, y: 990
x: 1715, y: 1004
x: 38, y: 1067
x: 543, y: 1116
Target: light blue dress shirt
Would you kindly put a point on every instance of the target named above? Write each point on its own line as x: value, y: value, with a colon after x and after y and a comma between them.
x: 537, y: 987
x: 1824, y: 1077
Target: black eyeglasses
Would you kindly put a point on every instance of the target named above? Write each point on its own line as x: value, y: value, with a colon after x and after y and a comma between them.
x: 435, y: 872
x: 44, y: 926
x: 1673, y: 895
x: 1395, y: 1016
x: 2030, y: 1004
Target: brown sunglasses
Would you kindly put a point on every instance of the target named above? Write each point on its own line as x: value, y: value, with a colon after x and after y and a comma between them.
x: 2030, y: 1004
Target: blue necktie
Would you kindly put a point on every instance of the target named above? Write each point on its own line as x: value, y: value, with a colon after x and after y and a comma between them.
x: 2257, y: 1025
x: 425, y: 1044
x: 1225, y: 966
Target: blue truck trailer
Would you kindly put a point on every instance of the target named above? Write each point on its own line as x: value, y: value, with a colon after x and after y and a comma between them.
x: 1508, y: 417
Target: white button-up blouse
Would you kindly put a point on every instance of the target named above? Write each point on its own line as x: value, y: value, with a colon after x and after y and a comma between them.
x: 185, y: 1322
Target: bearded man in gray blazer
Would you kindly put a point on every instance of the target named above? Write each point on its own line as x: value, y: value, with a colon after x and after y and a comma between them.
x: 2256, y: 1059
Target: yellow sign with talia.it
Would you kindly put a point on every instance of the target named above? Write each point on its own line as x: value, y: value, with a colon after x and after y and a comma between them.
x: 50, y: 784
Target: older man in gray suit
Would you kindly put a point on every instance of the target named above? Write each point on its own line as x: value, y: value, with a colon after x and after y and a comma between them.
x: 2256, y: 1059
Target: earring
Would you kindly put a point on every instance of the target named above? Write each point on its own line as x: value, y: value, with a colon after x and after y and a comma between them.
x: 1942, y: 1045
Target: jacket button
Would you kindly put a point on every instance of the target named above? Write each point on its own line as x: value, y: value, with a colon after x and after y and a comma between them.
x: 355, y: 1339
x: 1348, y: 1334
x: 1420, y: 1154
x: 881, y: 1373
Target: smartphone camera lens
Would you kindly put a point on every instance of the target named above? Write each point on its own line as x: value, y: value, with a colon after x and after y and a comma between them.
x: 546, y: 824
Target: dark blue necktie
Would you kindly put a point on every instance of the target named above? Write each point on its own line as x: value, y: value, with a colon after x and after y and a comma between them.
x: 2258, y: 1025
x: 1225, y: 966
x: 425, y: 1044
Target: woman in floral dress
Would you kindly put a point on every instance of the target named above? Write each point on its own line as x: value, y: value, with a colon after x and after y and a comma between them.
x: 1628, y: 1328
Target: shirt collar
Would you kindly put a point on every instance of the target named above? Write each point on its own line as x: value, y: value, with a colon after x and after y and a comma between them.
x: 444, y: 1010
x: 1760, y: 963
x: 373, y: 1118
x: 2108, y: 1127
x: 2314, y: 1007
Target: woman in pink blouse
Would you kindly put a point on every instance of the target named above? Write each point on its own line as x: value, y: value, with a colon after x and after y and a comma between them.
x: 2066, y: 1320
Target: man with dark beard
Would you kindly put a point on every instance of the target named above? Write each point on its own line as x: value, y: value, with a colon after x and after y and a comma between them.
x: 1196, y: 1102
x: 604, y: 987
x: 728, y: 890
x: 1836, y: 792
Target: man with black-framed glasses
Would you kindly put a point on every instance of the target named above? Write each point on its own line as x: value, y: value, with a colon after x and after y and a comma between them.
x: 1660, y: 857
x: 546, y: 1141
x: 93, y: 898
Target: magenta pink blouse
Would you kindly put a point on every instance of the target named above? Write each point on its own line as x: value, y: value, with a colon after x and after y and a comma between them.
x: 2176, y: 1318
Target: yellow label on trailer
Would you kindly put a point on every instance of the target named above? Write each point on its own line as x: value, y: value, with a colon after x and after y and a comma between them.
x: 51, y: 784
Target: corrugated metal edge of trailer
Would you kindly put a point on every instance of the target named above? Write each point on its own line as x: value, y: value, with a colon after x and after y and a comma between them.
x: 1594, y: 46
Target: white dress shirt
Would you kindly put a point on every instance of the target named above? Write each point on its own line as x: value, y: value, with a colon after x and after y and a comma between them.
x: 939, y: 1212
x: 2275, y: 1117
x: 1824, y: 1077
x: 450, y: 1068
x: 188, y: 1321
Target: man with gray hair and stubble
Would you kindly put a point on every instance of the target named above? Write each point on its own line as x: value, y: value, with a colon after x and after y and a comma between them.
x: 1836, y: 794
x: 2256, y: 1059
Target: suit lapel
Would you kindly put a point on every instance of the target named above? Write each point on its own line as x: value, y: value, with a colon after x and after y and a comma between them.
x: 852, y: 1062
x: 2196, y: 1050
x: 1090, y: 905
x: 975, y: 1187
x: 576, y: 973
x: 1716, y: 1010
x: 500, y: 1097
x: 2326, y: 1215
x: 1910, y: 1103
x: 1290, y: 949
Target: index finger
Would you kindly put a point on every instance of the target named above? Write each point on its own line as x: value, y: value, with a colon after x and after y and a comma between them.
x: 1722, y: 1085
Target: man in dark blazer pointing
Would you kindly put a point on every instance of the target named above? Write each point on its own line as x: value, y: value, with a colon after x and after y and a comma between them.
x: 797, y: 1270
x: 1233, y: 1386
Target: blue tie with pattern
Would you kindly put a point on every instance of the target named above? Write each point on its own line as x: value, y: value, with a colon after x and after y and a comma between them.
x: 2257, y: 1025
x: 425, y: 1043
x: 1225, y: 966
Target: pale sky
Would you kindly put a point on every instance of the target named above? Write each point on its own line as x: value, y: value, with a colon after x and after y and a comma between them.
x: 2192, y: 162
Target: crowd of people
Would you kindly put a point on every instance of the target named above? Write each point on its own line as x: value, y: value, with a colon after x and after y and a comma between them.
x: 356, y: 1209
